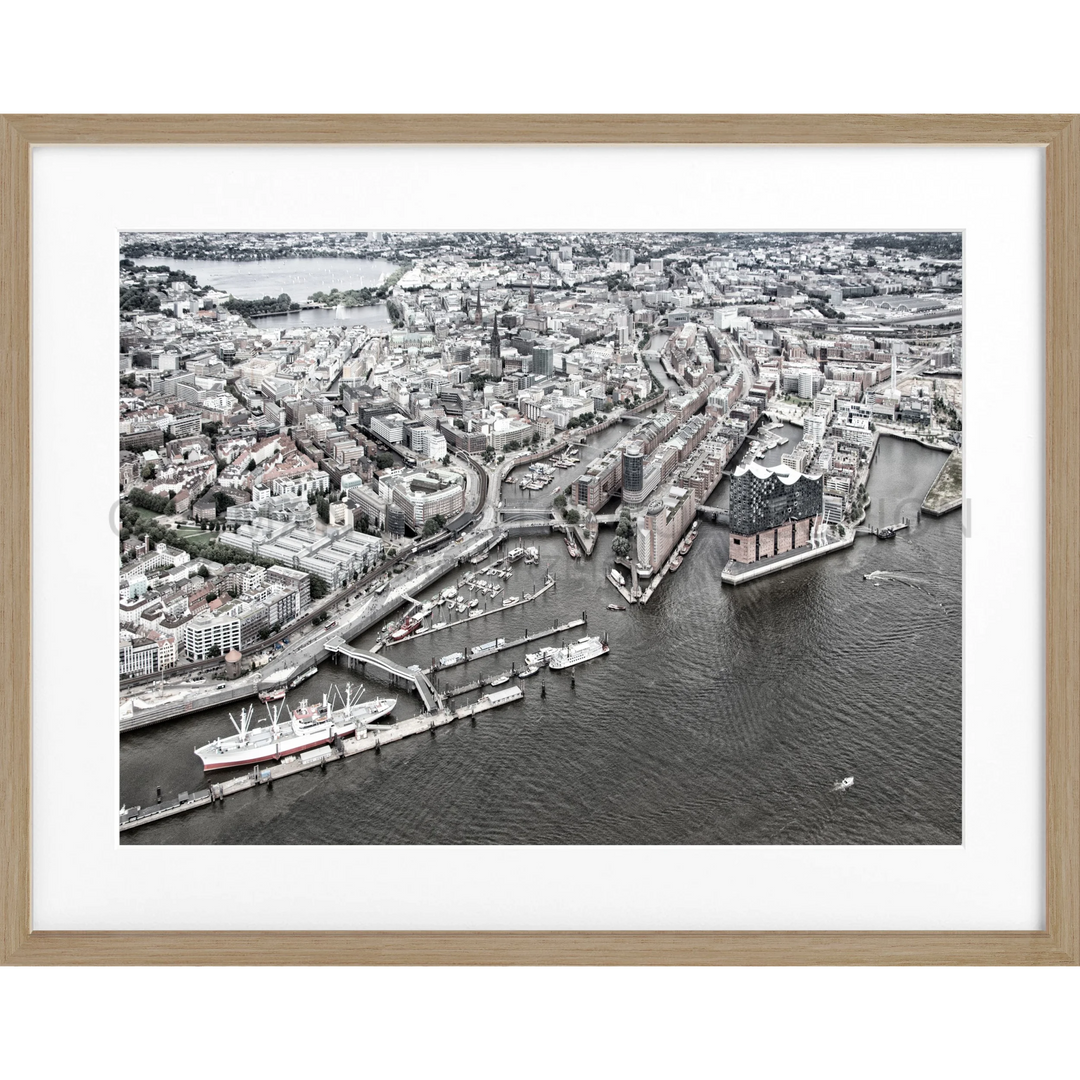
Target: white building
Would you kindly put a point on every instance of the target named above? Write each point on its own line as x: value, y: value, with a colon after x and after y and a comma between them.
x: 205, y: 631
x: 341, y: 517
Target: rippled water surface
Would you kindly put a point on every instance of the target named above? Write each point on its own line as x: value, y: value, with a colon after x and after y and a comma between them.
x: 720, y: 716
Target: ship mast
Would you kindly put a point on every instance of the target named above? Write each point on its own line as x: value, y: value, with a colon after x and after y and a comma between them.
x: 273, y: 712
x: 245, y: 720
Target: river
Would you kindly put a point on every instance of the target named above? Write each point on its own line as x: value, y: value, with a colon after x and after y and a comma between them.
x: 720, y: 715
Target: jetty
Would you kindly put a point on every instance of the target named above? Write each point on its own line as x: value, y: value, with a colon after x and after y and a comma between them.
x: 372, y: 738
x: 472, y: 616
x: 457, y: 691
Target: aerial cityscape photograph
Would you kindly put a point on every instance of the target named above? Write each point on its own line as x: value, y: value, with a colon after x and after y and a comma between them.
x: 540, y: 538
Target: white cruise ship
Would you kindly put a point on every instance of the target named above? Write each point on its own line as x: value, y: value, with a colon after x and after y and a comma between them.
x: 577, y: 652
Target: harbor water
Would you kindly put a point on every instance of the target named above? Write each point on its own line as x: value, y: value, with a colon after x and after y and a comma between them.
x: 720, y: 715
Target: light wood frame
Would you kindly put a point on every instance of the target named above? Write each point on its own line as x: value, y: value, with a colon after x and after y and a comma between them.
x: 1058, y: 944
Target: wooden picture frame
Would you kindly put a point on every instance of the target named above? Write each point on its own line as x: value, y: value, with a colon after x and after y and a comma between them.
x: 1059, y: 943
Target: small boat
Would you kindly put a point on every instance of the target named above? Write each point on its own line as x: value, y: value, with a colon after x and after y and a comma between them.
x: 267, y: 696
x: 510, y: 601
x: 843, y: 785
x: 294, y: 683
x: 474, y: 603
x: 676, y: 563
x: 616, y: 607
x: 524, y: 673
x: 499, y: 680
x: 527, y: 596
x: 439, y: 625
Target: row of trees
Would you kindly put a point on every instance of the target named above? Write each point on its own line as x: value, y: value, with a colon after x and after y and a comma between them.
x: 351, y: 297
x: 621, y: 545
x: 268, y: 305
x: 145, y: 500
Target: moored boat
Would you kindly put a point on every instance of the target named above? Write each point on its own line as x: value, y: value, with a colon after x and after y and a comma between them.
x: 409, y: 626
x: 307, y: 727
x: 577, y: 652
x: 302, y: 677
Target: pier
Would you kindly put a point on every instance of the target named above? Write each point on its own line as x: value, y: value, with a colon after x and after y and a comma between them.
x: 473, y: 617
x: 372, y: 738
x: 408, y: 675
x: 883, y: 532
x: 457, y: 691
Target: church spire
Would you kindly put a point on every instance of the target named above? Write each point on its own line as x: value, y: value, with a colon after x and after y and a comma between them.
x: 479, y: 310
x: 496, y: 345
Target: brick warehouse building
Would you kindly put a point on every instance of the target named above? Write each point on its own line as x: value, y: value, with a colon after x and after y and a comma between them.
x: 773, y: 510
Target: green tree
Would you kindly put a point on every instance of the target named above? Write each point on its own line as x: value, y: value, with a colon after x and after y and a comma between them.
x: 433, y: 525
x: 560, y: 502
x: 384, y: 460
x: 572, y: 516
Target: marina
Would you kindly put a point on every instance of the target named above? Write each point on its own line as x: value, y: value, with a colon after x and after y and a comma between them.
x: 501, y: 645
x: 470, y: 615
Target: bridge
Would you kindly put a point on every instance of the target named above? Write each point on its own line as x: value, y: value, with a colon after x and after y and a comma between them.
x: 363, y: 659
x: 520, y: 519
x: 719, y: 515
x: 524, y: 512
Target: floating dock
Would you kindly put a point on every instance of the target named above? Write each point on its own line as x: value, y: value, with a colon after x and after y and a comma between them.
x: 457, y: 691
x: 372, y: 738
x: 465, y: 620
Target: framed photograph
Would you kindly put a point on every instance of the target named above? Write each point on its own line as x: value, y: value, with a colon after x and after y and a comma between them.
x: 541, y: 539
